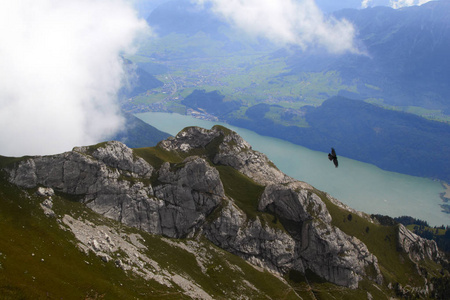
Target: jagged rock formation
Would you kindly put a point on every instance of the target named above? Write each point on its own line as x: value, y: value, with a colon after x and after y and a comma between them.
x: 417, y: 248
x: 317, y: 241
x: 232, y: 151
x: 185, y: 196
x: 257, y: 242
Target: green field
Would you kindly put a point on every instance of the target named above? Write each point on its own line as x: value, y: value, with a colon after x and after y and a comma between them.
x: 249, y: 76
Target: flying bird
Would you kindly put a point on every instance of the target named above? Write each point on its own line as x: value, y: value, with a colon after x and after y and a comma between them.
x: 332, y: 156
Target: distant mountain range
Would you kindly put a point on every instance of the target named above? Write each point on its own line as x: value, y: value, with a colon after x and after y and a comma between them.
x: 407, y: 55
x: 333, y: 5
x: 184, y: 17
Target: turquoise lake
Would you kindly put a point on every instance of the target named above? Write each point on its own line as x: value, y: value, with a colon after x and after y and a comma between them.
x: 362, y: 186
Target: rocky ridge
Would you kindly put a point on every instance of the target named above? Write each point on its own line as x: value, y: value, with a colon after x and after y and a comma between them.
x: 186, y: 197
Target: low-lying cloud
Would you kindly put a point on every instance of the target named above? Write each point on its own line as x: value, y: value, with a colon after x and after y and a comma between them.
x: 296, y: 22
x: 60, y: 70
x: 365, y: 3
x: 404, y: 3
x: 393, y: 3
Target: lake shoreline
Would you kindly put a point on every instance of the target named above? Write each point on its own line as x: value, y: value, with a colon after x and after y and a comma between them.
x: 445, y: 196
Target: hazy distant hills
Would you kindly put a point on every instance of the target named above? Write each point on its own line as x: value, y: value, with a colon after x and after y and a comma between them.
x: 189, y: 30
x: 140, y: 80
x: 333, y: 5
x: 183, y: 17
x: 138, y: 134
x: 407, y: 55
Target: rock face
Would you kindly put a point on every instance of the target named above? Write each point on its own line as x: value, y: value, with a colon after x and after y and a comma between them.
x: 106, y: 180
x: 259, y: 243
x: 189, y: 194
x: 185, y: 197
x: 417, y: 248
x: 319, y: 246
x: 232, y: 151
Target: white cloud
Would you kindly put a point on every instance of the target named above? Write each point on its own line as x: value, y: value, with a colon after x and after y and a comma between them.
x: 60, y: 70
x: 298, y: 22
x: 404, y: 3
x: 365, y: 3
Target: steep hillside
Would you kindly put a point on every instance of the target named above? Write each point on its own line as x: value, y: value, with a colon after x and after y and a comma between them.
x: 137, y: 134
x: 139, y: 81
x: 74, y: 253
x: 180, y: 220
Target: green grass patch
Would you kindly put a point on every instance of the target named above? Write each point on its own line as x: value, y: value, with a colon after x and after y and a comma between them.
x: 39, y: 260
x: 6, y: 161
x: 310, y: 286
x: 331, y: 291
x: 285, y: 118
x: 431, y: 114
x: 246, y: 194
x: 156, y: 156
x: 243, y: 190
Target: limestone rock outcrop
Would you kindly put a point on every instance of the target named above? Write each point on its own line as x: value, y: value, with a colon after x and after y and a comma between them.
x: 106, y: 180
x: 232, y: 150
x: 117, y: 155
x: 190, y: 194
x: 181, y: 194
x: 259, y: 243
x: 417, y: 247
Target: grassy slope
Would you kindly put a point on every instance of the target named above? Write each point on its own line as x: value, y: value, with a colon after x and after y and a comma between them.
x: 26, y: 230
x: 40, y: 260
x: 380, y: 240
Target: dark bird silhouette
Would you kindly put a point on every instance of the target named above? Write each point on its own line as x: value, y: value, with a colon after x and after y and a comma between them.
x: 332, y: 156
